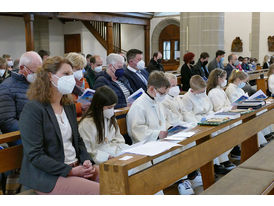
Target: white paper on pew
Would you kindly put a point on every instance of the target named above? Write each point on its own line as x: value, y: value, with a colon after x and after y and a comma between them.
x: 126, y: 158
x: 151, y: 148
x: 259, y: 93
x: 180, y: 136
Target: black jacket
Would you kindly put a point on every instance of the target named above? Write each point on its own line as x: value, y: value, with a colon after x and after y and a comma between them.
x: 43, y: 152
x: 103, y: 79
x: 186, y: 74
x: 198, y: 70
x: 135, y: 81
x: 153, y: 65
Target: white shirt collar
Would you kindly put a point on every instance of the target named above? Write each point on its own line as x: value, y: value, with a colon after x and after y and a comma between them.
x: 131, y: 69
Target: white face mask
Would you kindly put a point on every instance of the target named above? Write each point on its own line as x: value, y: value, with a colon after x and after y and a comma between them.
x: 108, y: 113
x: 10, y: 63
x: 141, y: 64
x: 78, y: 74
x: 65, y: 84
x: 159, y: 98
x: 223, y: 84
x: 31, y: 77
x: 174, y: 91
x: 98, y: 69
x: 2, y: 72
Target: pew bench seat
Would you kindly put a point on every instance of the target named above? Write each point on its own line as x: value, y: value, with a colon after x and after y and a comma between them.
x: 242, y: 181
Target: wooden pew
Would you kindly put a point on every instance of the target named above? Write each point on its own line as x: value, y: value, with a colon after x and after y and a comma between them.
x: 114, y: 177
x: 257, y: 171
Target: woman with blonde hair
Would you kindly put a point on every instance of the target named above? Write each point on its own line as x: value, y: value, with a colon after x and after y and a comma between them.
x: 270, y: 80
x: 55, y: 159
x: 78, y: 63
x: 266, y: 62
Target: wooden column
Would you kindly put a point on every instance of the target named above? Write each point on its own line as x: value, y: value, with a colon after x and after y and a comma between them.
x: 147, y: 44
x: 29, y: 18
x: 109, y: 37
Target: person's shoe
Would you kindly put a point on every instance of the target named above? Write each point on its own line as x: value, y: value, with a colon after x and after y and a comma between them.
x: 219, y: 169
x: 228, y: 165
x: 185, y: 188
x: 235, y: 153
x: 197, y: 181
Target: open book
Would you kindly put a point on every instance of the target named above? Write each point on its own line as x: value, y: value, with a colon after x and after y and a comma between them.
x: 259, y: 95
x: 135, y: 95
x: 87, y: 96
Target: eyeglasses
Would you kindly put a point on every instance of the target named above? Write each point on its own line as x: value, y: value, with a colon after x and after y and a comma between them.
x: 29, y: 69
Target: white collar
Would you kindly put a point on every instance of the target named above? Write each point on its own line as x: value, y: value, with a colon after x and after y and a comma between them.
x: 131, y: 69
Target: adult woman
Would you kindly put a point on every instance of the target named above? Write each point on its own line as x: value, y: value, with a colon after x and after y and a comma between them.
x: 186, y: 70
x: 55, y: 159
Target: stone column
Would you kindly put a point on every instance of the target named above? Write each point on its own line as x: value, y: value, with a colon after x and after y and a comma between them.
x: 41, y: 33
x: 201, y: 32
x: 255, y: 35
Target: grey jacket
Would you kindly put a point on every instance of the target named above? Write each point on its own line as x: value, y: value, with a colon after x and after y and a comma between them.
x: 43, y: 152
x: 214, y: 64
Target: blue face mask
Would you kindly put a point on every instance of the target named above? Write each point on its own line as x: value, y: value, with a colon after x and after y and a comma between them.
x: 222, y: 60
x: 241, y: 85
x: 119, y: 72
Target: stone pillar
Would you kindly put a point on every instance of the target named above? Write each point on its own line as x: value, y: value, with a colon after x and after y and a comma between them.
x: 41, y: 33
x: 255, y: 35
x: 201, y: 32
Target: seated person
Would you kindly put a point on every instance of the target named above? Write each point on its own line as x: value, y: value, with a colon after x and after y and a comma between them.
x: 4, y: 72
x: 114, y: 78
x: 135, y: 72
x: 96, y: 63
x: 55, y: 159
x: 195, y: 102
x: 78, y: 63
x: 187, y: 70
x: 145, y: 118
x: 245, y: 65
x: 172, y: 105
x: 200, y: 67
x: 236, y: 82
x: 270, y: 80
x: 99, y: 129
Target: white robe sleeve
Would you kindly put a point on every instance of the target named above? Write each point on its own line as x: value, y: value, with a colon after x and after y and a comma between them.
x: 137, y: 126
x: 188, y: 113
x: 88, y: 132
x: 220, y: 104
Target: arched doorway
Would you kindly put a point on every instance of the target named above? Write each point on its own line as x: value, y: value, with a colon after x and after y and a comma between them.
x: 155, y: 39
x: 169, y: 46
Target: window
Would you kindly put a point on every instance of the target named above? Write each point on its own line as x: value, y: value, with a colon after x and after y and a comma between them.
x: 166, y: 50
x: 176, y: 51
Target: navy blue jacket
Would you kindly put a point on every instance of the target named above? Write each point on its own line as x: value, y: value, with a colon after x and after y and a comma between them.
x: 135, y: 81
x: 103, y: 79
x: 228, y: 70
x: 12, y: 100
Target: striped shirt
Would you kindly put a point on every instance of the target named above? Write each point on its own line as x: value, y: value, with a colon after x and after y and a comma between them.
x: 123, y: 88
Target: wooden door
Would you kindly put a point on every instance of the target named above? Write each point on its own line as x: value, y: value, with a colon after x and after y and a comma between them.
x: 169, y: 46
x: 72, y: 43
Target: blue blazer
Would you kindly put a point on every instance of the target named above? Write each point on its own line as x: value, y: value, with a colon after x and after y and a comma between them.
x: 135, y: 81
x: 43, y: 152
x: 103, y: 79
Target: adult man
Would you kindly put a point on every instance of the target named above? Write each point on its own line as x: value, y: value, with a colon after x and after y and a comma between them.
x: 217, y: 62
x: 232, y: 63
x: 135, y: 72
x: 115, y: 79
x: 13, y: 91
x: 200, y: 67
x: 155, y: 63
x: 96, y: 63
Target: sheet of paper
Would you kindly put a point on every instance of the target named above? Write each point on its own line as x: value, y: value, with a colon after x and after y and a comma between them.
x: 151, y: 148
x: 126, y: 158
x: 180, y: 136
x: 258, y: 94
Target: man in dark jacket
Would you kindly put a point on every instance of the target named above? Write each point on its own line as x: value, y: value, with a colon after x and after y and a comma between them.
x: 217, y: 62
x: 135, y: 72
x: 232, y: 62
x: 200, y: 67
x: 115, y: 79
x: 13, y: 91
x: 96, y: 63
x: 155, y: 63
